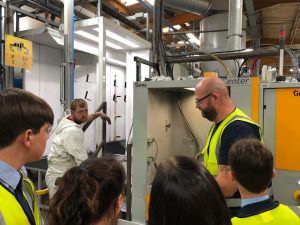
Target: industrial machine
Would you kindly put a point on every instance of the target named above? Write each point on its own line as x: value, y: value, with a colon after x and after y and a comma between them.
x: 166, y: 123
x: 279, y: 105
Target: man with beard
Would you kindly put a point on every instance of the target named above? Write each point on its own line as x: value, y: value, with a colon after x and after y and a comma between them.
x: 229, y: 125
x: 67, y: 149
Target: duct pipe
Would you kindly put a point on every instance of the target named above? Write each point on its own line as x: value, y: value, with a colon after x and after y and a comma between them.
x: 9, y: 29
x: 193, y: 6
x: 99, y: 8
x: 222, y: 56
x: 159, y: 53
x: 235, y: 22
x: 68, y: 52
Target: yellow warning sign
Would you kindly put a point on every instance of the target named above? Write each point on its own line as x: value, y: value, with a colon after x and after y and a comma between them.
x: 18, y: 52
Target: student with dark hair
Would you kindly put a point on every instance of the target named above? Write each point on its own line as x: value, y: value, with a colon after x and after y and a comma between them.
x: 25, y: 124
x: 67, y: 149
x: 251, y: 165
x: 89, y: 194
x: 185, y: 193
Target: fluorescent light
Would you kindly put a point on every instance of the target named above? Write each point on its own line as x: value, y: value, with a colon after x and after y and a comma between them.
x: 112, y: 45
x: 87, y: 35
x: 151, y: 2
x: 193, y: 38
x: 115, y: 61
x: 129, y: 2
x: 58, y: 40
x: 132, y: 2
x: 248, y: 50
x: 85, y: 48
x: 166, y: 29
x: 119, y: 38
x: 190, y: 89
x: 95, y: 38
x: 177, y: 27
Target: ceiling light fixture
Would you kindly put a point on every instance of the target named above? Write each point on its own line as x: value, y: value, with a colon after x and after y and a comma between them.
x: 85, y: 48
x: 95, y: 38
x: 118, y: 62
x: 189, y: 89
x: 87, y: 35
x: 129, y: 2
x: 177, y: 27
x: 119, y: 38
x: 132, y: 2
x: 112, y: 45
x: 193, y: 39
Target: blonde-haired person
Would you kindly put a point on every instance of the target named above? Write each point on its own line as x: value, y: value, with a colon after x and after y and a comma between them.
x: 67, y: 149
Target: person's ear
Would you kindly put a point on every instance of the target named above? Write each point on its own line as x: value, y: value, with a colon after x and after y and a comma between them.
x: 232, y: 176
x: 26, y: 137
x: 274, y: 173
x: 119, y: 204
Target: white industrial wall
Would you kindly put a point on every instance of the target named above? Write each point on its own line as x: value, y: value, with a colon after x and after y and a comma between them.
x: 44, y: 80
x: 116, y: 105
x: 130, y: 79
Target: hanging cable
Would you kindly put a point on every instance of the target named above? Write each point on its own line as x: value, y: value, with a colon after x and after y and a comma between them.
x: 195, y: 140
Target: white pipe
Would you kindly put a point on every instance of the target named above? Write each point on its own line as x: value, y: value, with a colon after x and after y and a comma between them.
x: 281, y: 58
x: 235, y: 22
x: 194, y: 6
x: 69, y: 52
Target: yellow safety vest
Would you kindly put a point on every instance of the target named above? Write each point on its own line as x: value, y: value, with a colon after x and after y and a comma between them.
x: 281, y: 215
x: 213, y: 141
x: 12, y: 211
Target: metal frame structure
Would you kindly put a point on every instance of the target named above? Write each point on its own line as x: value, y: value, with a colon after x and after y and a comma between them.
x: 240, y: 90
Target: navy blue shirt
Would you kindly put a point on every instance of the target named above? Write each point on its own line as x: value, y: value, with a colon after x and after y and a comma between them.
x: 235, y: 131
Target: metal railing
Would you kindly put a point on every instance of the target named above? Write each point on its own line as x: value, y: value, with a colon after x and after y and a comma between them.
x: 102, y: 145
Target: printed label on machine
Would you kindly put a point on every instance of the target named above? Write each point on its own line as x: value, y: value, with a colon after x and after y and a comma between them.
x: 238, y: 81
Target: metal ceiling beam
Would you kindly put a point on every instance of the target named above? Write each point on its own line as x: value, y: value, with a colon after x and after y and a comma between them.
x: 222, y: 56
x: 260, y: 4
x: 57, y: 11
x: 251, y: 18
x: 295, y: 25
x: 38, y: 4
x: 274, y: 41
x: 118, y: 5
x: 183, y: 18
x: 37, y: 17
x: 109, y: 10
x: 119, y: 17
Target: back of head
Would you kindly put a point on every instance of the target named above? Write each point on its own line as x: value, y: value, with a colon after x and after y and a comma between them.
x: 184, y: 192
x: 88, y: 193
x: 77, y: 103
x: 21, y: 110
x: 252, y: 164
x: 214, y: 85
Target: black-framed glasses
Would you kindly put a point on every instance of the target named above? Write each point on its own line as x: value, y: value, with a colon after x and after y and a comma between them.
x: 197, y: 101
